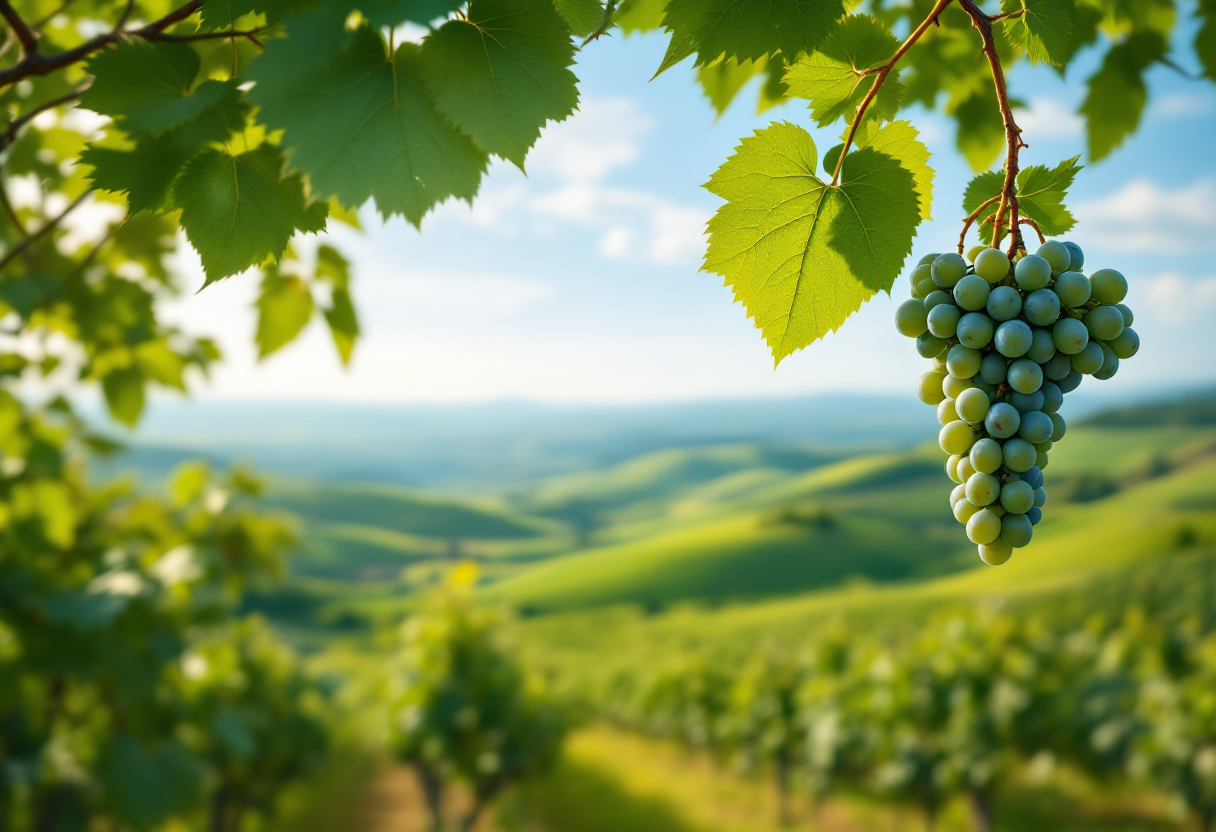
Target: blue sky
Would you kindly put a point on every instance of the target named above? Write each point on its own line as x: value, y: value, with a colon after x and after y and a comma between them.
x: 579, y: 282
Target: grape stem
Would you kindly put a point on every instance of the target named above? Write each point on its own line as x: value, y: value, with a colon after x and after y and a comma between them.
x: 1013, y: 134
x: 1035, y: 226
x: 881, y: 73
x: 967, y: 223
x: 46, y: 228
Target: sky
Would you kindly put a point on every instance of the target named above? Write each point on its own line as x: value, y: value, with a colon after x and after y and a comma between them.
x: 579, y: 282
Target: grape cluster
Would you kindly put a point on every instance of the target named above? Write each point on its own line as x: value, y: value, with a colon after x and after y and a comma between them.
x: 1008, y: 341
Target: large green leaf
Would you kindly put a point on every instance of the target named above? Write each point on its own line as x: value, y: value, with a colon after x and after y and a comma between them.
x: 391, y: 13
x: 340, y: 315
x: 502, y: 72
x: 745, y: 29
x: 223, y: 14
x: 981, y: 132
x: 833, y: 76
x: 900, y: 140
x: 146, y: 86
x: 146, y: 171
x: 124, y: 392
x: 1117, y: 92
x: 1041, y: 191
x: 802, y: 255
x: 639, y: 15
x: 358, y: 120
x: 723, y: 80
x: 1043, y: 28
x: 239, y: 210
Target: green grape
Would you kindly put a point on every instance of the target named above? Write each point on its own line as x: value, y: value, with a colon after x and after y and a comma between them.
x: 1057, y: 254
x: 1089, y: 360
x: 939, y: 362
x: 928, y: 259
x: 1042, y: 346
x: 1016, y: 497
x: 1016, y: 529
x: 1059, y: 366
x: 1077, y: 257
x: 974, y: 252
x: 1034, y: 477
x: 985, y: 386
x: 993, y: 368
x: 1025, y: 376
x: 1059, y: 427
x: 1110, y: 364
x: 971, y: 293
x: 992, y: 265
x: 1108, y: 286
x: 956, y: 438
x: 923, y: 289
x: 1026, y: 402
x: 1004, y: 303
x: 1034, y: 515
x: 1128, y: 317
x: 1053, y: 397
x: 1040, y: 497
x: 965, y: 469
x: 919, y: 275
x: 983, y: 489
x: 1041, y: 460
x: 1002, y: 421
x: 1044, y: 447
x: 972, y: 405
x: 937, y: 297
x: 1013, y: 338
x: 1042, y: 308
x: 948, y: 269
x: 943, y: 320
x: 1070, y: 382
x: 945, y: 411
x: 1070, y: 335
x: 1036, y: 427
x: 1032, y: 273
x: 929, y: 345
x: 975, y: 330
x: 964, y: 510
x: 984, y: 526
x: 951, y: 462
x: 986, y: 456
x: 1018, y: 455
x: 1127, y: 344
x: 929, y: 387
x: 963, y: 362
x: 1073, y: 289
x: 996, y: 553
x: 1104, y: 323
x: 952, y: 387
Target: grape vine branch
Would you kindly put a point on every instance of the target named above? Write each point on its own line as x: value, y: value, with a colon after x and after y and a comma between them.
x: 982, y: 22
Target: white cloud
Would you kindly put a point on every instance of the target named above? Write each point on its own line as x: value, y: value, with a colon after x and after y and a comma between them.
x: 1143, y: 216
x: 1173, y: 298
x: 458, y: 296
x: 1049, y: 118
x: 1183, y: 105
x: 569, y: 170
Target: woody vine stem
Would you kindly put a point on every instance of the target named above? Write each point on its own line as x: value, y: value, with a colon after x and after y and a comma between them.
x: 1007, y: 211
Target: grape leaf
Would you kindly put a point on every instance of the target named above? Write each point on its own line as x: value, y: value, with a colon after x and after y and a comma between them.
x: 582, y: 16
x: 239, y: 210
x: 1041, y: 191
x: 981, y: 133
x: 1117, y: 92
x: 502, y: 73
x: 146, y: 172
x: 144, y: 785
x: 284, y: 309
x: 1042, y: 29
x: 723, y: 80
x: 900, y: 140
x: 146, y: 86
x: 340, y: 315
x: 223, y: 14
x: 745, y: 29
x: 359, y: 123
x: 800, y: 254
x: 639, y: 15
x: 391, y: 13
x: 1205, y: 38
x: 832, y: 77
x: 124, y: 392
